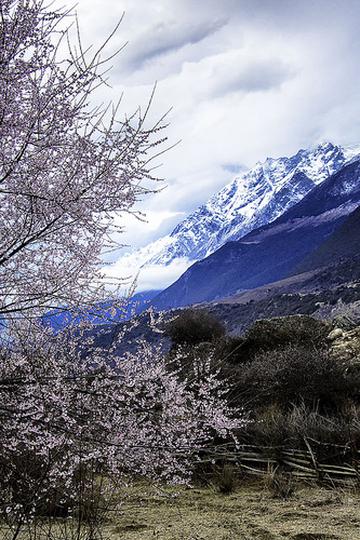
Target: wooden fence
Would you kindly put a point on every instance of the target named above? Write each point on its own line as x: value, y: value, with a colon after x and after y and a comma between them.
x: 342, y: 466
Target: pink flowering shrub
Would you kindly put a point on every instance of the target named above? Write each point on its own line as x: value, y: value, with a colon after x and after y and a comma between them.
x: 64, y: 413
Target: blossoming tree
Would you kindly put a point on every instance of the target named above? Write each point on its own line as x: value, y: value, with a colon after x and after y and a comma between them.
x: 70, y: 411
x: 66, y: 169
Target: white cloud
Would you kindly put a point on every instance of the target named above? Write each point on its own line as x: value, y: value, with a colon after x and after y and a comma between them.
x: 246, y: 79
x: 150, y: 277
x: 167, y: 37
x: 142, y: 231
x: 159, y: 277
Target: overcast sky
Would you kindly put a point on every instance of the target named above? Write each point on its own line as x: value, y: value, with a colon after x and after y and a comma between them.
x: 246, y: 79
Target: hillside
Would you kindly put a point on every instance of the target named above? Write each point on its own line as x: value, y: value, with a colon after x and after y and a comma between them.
x: 345, y: 242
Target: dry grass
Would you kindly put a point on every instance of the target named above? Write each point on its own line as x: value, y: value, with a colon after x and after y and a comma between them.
x: 250, y: 513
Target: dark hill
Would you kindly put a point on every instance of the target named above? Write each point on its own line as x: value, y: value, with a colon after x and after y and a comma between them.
x: 343, y: 244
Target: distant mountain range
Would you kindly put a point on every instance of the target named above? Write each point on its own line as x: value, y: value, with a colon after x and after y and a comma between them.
x: 319, y: 227
x: 102, y: 313
x: 268, y: 242
x: 256, y: 198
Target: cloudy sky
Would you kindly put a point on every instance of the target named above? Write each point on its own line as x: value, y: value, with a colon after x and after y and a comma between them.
x: 246, y: 79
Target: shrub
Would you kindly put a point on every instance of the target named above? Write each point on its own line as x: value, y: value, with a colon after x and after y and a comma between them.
x: 278, y: 332
x: 329, y: 434
x: 226, y: 479
x: 280, y: 484
x: 268, y: 335
x: 295, y: 374
x: 194, y: 326
x: 231, y: 350
x: 269, y: 428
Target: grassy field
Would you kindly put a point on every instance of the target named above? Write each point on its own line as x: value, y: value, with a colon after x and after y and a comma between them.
x: 249, y: 513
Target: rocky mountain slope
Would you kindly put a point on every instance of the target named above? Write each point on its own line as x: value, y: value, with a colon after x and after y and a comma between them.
x: 255, y: 198
x: 274, y: 251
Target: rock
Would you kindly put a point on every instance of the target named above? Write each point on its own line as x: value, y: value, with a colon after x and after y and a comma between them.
x: 346, y: 346
x: 335, y: 334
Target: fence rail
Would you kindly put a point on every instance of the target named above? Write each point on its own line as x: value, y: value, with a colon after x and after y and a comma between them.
x: 305, y: 464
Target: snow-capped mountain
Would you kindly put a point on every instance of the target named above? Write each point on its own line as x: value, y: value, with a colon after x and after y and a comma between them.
x: 251, y: 200
x: 318, y: 230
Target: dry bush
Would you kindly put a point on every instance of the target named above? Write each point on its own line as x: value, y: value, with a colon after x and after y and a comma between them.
x: 225, y: 478
x: 269, y: 428
x: 292, y: 375
x: 270, y: 334
x: 332, y: 436
x: 280, y: 484
x: 194, y: 326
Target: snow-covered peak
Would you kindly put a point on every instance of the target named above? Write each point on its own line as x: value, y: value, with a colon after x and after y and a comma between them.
x: 252, y: 199
x: 351, y: 152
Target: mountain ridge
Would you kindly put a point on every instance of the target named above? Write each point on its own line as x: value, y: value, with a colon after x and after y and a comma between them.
x: 251, y: 200
x: 270, y: 252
